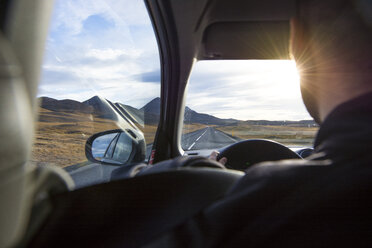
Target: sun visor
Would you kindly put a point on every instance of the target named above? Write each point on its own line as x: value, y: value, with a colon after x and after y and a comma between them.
x: 246, y: 40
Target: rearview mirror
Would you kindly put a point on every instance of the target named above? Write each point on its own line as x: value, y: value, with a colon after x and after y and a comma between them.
x: 115, y: 147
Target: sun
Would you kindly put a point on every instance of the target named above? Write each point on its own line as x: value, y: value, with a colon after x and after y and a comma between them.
x: 286, y: 75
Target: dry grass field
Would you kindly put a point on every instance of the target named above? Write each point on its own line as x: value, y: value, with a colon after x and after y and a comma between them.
x: 61, y: 136
x: 287, y: 135
x: 149, y: 131
x: 188, y: 128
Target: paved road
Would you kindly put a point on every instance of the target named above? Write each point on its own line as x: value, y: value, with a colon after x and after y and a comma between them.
x: 207, y: 138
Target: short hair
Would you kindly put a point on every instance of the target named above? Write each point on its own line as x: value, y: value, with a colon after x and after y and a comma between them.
x: 340, y: 27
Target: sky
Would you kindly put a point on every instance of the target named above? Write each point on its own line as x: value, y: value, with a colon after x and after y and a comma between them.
x: 108, y: 48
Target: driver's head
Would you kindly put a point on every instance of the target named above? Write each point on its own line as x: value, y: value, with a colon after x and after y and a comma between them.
x: 331, y: 42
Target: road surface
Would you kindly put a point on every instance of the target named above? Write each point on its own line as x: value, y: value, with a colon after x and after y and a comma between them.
x: 207, y: 138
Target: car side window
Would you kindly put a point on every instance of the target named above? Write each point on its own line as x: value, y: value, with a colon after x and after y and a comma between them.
x: 101, y: 72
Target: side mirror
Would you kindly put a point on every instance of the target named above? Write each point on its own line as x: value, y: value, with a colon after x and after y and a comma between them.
x: 116, y: 147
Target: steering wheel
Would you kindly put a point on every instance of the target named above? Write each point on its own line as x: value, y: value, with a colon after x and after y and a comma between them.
x: 244, y: 154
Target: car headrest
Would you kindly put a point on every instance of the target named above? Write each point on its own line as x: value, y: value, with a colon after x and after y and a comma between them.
x: 15, y: 135
x: 22, y: 186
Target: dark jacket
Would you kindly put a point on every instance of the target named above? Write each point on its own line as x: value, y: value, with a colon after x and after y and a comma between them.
x: 323, y: 201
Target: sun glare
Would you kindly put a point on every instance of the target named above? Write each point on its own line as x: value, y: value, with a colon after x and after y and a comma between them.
x: 247, y: 89
x: 287, y: 76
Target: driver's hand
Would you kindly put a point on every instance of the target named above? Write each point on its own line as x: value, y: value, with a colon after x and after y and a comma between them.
x: 214, y: 155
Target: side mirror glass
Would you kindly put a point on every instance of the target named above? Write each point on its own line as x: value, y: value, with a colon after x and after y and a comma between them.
x: 116, y: 147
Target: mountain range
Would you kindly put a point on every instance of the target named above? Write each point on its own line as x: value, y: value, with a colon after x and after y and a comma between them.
x: 149, y: 114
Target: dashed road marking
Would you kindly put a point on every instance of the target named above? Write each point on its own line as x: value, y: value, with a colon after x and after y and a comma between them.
x: 197, y: 139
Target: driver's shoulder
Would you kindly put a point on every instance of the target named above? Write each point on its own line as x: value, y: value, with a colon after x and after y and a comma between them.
x: 283, y: 173
x: 288, y: 168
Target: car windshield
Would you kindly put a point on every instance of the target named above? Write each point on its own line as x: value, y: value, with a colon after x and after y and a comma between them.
x: 233, y: 100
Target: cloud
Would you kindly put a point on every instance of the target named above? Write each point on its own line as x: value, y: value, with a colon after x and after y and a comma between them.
x: 97, y: 22
x: 152, y: 76
x: 58, y: 77
x: 112, y: 54
x: 100, y: 48
x: 71, y: 14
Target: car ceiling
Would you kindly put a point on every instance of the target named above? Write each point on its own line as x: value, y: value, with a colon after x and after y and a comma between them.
x: 234, y: 29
